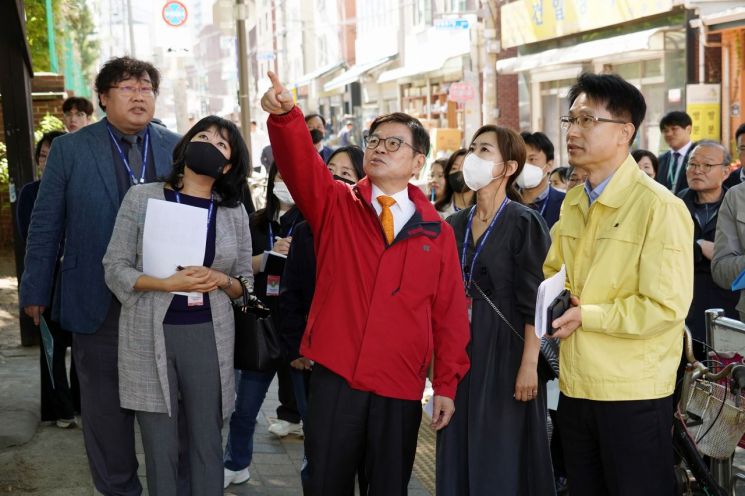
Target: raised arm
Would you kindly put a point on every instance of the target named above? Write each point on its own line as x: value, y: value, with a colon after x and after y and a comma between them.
x: 302, y: 168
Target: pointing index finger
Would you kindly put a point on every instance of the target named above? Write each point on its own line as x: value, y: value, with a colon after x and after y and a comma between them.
x: 275, y: 82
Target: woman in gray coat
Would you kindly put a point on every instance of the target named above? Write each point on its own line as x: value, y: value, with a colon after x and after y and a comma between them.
x: 177, y: 351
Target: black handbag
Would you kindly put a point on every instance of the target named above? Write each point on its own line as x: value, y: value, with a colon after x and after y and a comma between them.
x: 548, y: 358
x: 257, y: 345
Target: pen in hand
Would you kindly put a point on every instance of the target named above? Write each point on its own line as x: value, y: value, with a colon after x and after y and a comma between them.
x: 178, y: 267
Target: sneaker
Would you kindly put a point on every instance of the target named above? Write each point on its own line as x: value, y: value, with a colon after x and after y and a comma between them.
x: 66, y: 423
x: 235, y: 477
x: 282, y: 428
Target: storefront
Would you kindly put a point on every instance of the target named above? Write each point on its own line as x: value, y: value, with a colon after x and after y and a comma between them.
x: 645, y: 43
x: 730, y: 23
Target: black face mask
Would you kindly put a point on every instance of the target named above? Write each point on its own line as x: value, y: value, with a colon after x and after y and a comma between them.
x: 456, y: 182
x: 344, y: 180
x: 316, y: 135
x: 205, y: 159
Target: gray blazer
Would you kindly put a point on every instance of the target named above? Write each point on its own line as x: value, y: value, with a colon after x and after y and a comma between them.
x: 143, y: 376
x: 729, y: 242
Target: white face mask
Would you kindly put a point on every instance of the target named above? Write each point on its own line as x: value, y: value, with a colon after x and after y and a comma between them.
x: 530, y: 177
x: 283, y: 194
x: 477, y: 172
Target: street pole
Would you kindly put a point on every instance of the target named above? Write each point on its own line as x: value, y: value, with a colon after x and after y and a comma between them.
x: 53, y: 62
x: 133, y: 53
x: 243, y: 96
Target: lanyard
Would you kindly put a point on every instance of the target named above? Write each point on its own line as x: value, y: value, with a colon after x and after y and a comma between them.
x: 209, y: 211
x: 126, y: 162
x: 468, y: 277
x: 271, y: 233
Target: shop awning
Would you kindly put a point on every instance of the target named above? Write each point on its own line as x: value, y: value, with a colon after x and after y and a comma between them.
x: 726, y: 19
x: 320, y: 72
x: 354, y: 73
x: 428, y: 64
x: 641, y: 40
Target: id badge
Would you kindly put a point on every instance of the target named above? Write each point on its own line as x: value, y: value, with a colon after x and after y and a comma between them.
x: 195, y: 300
x: 469, y: 306
x: 272, y: 285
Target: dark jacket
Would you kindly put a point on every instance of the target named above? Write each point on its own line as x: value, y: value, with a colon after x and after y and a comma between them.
x: 378, y: 316
x: 664, y: 166
x: 78, y: 201
x: 706, y: 293
x: 553, y: 206
x: 296, y: 290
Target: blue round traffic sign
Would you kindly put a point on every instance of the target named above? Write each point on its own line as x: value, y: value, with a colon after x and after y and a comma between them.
x: 175, y: 13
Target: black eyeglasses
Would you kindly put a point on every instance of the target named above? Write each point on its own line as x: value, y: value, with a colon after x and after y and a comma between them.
x: 585, y: 121
x: 705, y: 168
x: 392, y: 144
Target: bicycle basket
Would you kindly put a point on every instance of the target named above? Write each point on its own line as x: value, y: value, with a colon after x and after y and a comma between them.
x: 722, y: 424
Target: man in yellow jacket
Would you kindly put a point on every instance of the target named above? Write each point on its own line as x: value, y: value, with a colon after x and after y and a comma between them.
x: 626, y: 243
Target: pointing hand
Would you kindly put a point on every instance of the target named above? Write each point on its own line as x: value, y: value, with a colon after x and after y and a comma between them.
x: 277, y: 99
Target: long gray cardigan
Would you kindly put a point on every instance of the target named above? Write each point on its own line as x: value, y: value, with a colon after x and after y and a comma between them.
x: 143, y: 376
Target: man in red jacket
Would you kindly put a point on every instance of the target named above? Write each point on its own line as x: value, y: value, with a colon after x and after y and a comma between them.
x: 388, y: 295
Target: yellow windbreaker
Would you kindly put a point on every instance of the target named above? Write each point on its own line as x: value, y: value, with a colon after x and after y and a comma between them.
x: 629, y: 259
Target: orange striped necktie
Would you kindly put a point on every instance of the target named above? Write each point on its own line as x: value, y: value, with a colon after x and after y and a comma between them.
x: 386, y: 216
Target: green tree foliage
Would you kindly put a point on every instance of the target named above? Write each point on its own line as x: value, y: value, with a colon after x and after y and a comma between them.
x: 72, y: 18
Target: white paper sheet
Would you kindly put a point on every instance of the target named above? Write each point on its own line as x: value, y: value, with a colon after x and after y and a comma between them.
x: 175, y: 234
x: 547, y: 293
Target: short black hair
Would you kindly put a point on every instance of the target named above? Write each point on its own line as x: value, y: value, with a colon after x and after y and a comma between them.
x: 228, y: 186
x: 121, y: 68
x: 640, y: 154
x: 355, y: 155
x: 621, y: 98
x: 419, y: 135
x: 539, y: 141
x: 675, y: 118
x: 311, y: 116
x: 79, y: 103
x: 563, y: 173
x: 740, y: 131
x: 47, y: 137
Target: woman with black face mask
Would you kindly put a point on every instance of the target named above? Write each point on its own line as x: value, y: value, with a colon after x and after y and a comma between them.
x: 176, y: 351
x: 457, y: 195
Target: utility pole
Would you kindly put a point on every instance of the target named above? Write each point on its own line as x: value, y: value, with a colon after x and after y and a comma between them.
x: 241, y: 12
x: 490, y: 108
x: 133, y: 53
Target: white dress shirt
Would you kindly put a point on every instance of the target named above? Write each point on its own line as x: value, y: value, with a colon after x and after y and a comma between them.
x: 402, y: 210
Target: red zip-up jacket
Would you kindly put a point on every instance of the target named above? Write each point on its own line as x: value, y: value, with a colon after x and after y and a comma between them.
x: 379, y: 311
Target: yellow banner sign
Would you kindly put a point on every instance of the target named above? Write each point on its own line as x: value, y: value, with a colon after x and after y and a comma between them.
x: 528, y: 21
x: 703, y: 105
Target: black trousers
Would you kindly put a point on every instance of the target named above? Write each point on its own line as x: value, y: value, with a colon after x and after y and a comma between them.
x: 287, y: 409
x: 108, y: 429
x: 346, y: 427
x: 617, y: 448
x: 61, y: 399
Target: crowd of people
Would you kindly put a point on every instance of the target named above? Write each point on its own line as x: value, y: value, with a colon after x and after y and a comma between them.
x: 375, y: 286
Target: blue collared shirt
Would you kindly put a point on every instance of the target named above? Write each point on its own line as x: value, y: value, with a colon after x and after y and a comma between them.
x: 595, y: 193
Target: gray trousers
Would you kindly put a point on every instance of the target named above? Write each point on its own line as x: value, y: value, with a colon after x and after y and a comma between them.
x: 194, y: 378
x: 108, y: 429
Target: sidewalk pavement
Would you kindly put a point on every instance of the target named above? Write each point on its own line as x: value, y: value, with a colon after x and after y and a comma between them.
x: 43, y: 460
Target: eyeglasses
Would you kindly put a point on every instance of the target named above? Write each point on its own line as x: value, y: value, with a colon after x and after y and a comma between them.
x: 392, y: 144
x: 128, y: 90
x: 585, y: 121
x: 70, y: 114
x: 741, y: 149
x: 705, y: 168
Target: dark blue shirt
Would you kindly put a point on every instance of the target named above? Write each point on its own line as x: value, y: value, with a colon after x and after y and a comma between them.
x: 180, y: 313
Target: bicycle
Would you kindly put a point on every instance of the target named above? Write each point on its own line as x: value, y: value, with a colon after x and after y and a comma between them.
x: 709, y: 420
